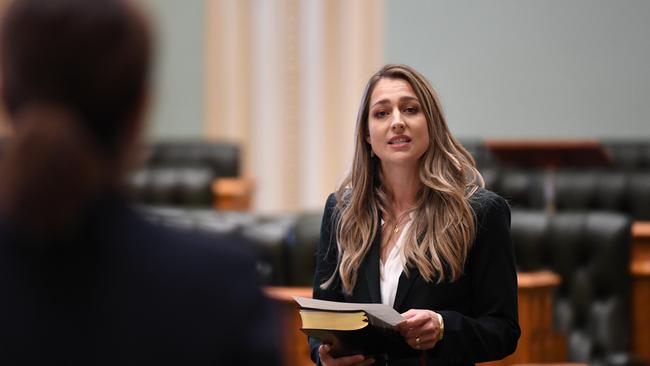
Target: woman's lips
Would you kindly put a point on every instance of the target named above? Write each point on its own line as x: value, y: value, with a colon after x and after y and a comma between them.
x: 399, y: 142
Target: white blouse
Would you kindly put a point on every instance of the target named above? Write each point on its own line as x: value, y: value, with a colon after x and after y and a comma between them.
x: 391, y: 270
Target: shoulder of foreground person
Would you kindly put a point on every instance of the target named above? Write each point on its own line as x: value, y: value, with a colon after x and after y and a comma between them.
x: 184, y: 244
x: 211, y: 282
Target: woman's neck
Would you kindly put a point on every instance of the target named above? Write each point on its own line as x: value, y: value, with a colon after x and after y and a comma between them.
x: 403, y: 183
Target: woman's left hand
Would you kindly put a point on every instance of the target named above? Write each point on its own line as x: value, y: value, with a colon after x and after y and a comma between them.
x: 421, y: 330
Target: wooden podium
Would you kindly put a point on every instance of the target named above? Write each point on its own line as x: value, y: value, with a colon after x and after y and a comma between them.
x: 549, y: 155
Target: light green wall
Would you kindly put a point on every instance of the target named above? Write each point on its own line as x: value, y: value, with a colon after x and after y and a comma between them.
x: 530, y: 68
x: 506, y: 68
x: 177, y: 101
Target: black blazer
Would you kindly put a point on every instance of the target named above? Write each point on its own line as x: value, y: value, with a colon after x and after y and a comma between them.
x: 120, y: 290
x: 479, y: 309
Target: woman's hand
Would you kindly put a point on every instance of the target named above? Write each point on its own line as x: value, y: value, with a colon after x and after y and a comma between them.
x: 355, y: 360
x: 422, y: 328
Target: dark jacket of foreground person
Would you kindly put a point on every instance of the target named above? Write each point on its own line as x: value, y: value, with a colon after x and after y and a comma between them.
x: 125, y: 291
x: 84, y: 280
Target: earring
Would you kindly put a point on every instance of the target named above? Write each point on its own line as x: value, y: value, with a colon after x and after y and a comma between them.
x: 372, y: 153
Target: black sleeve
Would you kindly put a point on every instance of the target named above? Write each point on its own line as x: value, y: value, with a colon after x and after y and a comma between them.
x: 491, y: 330
x: 259, y: 331
x: 255, y: 333
x: 326, y: 260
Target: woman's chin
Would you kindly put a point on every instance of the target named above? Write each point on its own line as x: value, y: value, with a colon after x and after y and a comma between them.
x: 400, y: 160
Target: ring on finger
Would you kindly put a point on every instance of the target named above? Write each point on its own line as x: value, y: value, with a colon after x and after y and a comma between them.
x: 417, y: 342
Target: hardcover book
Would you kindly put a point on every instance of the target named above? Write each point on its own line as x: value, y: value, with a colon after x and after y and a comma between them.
x: 353, y: 328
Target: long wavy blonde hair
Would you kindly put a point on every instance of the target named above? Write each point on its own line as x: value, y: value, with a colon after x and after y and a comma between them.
x: 444, y: 226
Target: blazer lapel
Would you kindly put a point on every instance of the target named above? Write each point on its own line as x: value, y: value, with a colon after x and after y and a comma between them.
x: 371, y: 270
x: 404, y: 286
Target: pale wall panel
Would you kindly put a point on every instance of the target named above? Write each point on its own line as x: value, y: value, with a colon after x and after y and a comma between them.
x: 177, y: 92
x: 298, y: 68
x: 529, y: 68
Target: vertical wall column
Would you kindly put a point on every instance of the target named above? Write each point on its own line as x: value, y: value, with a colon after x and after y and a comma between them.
x: 284, y: 79
x: 228, y: 66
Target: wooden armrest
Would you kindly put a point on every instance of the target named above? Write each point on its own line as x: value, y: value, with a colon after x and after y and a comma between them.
x: 641, y: 230
x: 538, y: 279
x: 233, y: 193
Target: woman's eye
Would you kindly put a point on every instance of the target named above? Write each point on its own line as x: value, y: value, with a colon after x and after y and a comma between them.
x: 411, y: 110
x: 380, y: 114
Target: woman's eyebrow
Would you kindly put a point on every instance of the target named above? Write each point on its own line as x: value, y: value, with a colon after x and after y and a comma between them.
x: 407, y: 98
x: 382, y: 101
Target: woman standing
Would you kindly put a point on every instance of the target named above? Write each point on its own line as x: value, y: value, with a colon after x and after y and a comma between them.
x: 412, y: 227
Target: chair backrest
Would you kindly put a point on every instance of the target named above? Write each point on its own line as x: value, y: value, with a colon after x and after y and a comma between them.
x: 181, y: 173
x: 590, y: 251
x: 624, y: 186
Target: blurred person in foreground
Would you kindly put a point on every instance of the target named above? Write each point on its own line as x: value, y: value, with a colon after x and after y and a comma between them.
x: 84, y: 280
x: 412, y: 227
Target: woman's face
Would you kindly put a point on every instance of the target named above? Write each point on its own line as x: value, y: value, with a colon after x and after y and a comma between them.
x: 397, y: 126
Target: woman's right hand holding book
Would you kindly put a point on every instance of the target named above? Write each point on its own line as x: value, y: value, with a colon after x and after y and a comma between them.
x: 354, y: 360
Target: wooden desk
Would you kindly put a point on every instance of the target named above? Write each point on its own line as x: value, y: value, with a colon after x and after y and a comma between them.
x: 538, y: 343
x: 552, y: 364
x: 549, y: 155
x: 296, y: 349
x: 640, y: 270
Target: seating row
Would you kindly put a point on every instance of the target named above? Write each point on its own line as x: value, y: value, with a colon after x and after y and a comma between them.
x: 625, y: 155
x: 589, y: 250
x: 183, y: 173
x: 622, y: 186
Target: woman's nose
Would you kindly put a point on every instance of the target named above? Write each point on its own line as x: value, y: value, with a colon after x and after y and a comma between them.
x: 397, y: 124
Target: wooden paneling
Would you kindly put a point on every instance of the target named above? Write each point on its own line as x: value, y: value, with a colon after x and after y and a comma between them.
x: 640, y: 270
